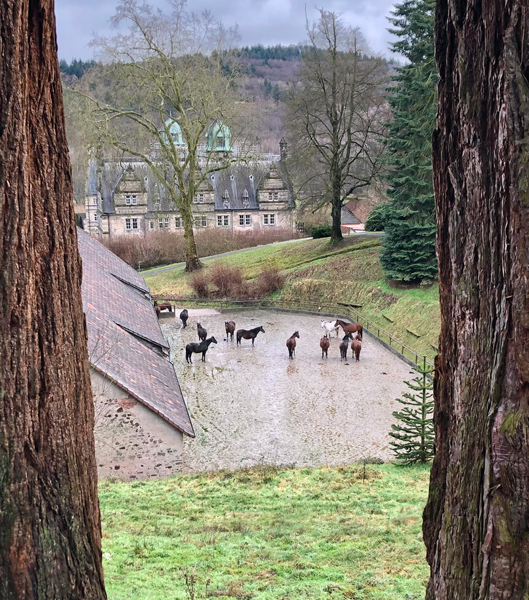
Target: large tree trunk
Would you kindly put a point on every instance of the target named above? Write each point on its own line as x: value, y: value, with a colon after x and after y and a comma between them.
x: 192, y: 261
x: 50, y: 534
x: 476, y: 522
x: 336, y: 205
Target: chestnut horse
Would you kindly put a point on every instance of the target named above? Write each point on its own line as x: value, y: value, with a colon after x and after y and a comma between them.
x: 351, y: 327
x: 291, y: 344
x: 356, y: 346
x: 324, y: 345
x: 202, y: 333
x: 248, y: 334
x: 230, y: 329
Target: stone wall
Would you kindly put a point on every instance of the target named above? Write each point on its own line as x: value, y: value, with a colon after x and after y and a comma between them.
x: 132, y: 442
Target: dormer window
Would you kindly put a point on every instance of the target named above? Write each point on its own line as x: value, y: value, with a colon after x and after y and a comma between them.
x: 245, y: 199
x: 226, y: 199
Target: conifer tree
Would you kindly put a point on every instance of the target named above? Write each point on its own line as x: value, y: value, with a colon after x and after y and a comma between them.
x: 414, y: 435
x: 409, y: 248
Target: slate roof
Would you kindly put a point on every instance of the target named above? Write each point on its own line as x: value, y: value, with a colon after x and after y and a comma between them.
x: 348, y: 216
x: 235, y: 180
x: 125, y: 342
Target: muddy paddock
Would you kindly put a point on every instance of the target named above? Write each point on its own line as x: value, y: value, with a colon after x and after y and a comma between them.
x: 255, y: 406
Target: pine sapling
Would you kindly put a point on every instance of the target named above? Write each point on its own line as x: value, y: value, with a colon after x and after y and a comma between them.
x: 414, y: 433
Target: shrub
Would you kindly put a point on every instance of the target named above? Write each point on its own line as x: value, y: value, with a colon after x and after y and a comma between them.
x: 321, y: 231
x: 200, y: 284
x: 270, y: 280
x: 165, y: 247
x: 225, y: 278
x: 378, y: 217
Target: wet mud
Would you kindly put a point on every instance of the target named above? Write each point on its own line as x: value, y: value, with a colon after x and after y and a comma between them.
x: 254, y: 406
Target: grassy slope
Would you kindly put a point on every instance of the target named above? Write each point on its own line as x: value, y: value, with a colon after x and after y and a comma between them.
x: 268, y: 534
x: 350, y: 274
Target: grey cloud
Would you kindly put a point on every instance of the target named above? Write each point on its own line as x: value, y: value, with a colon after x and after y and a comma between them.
x: 265, y: 22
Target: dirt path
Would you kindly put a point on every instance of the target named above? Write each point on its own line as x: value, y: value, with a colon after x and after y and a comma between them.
x: 254, y: 405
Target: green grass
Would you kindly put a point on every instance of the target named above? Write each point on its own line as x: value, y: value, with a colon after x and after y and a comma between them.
x: 349, y: 273
x: 268, y: 534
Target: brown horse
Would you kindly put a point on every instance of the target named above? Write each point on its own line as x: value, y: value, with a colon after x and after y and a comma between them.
x: 351, y: 327
x: 356, y: 346
x: 324, y: 345
x: 184, y: 316
x: 248, y: 334
x: 202, y: 333
x: 344, y: 346
x: 159, y: 306
x: 291, y: 344
x: 230, y: 329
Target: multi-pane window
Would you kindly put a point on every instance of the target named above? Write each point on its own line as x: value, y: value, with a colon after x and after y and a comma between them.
x: 198, y: 198
x: 179, y: 223
x: 166, y: 222
x: 160, y: 223
x: 201, y: 221
x: 245, y: 220
x: 269, y: 219
x: 134, y: 223
x: 134, y: 200
x: 128, y: 224
x: 151, y: 224
x: 223, y: 220
x: 131, y: 199
x: 128, y: 200
x: 273, y: 196
x: 95, y: 216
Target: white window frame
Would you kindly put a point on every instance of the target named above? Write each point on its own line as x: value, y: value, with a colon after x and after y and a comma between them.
x: 160, y: 222
x: 134, y: 200
x: 166, y: 222
x: 128, y: 225
x: 128, y: 200
x: 135, y: 224
x: 245, y: 220
x: 151, y: 224
x: 179, y: 222
x: 200, y: 221
x: 276, y: 196
x: 269, y: 220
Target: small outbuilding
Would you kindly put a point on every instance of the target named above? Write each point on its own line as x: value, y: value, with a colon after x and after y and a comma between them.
x: 140, y: 413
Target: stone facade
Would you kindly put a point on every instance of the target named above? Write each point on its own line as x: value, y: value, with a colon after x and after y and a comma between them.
x: 132, y: 442
x: 126, y: 200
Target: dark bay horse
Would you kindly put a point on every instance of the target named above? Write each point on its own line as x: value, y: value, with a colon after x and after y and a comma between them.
x: 184, y: 316
x: 198, y: 348
x: 230, y: 329
x: 248, y: 334
x: 356, y: 346
x: 351, y: 327
x: 324, y: 345
x: 291, y: 344
x: 202, y: 333
x: 344, y: 346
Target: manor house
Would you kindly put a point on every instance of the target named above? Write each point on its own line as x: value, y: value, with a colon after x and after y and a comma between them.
x: 126, y: 200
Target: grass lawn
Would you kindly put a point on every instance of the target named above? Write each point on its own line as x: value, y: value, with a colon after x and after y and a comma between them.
x: 268, y: 534
x: 349, y: 273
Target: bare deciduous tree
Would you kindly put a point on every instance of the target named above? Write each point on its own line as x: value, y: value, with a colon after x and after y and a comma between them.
x: 174, y: 71
x: 50, y: 531
x: 337, y: 116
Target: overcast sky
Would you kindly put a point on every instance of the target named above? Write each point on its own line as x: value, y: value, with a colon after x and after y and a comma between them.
x: 265, y: 22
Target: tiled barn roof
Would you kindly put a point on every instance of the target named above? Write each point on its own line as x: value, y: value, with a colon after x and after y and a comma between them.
x: 125, y: 343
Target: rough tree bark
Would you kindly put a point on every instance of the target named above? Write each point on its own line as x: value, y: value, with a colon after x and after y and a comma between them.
x: 50, y: 539
x: 476, y: 522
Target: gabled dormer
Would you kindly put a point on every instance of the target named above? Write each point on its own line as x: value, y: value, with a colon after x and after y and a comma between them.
x: 130, y: 195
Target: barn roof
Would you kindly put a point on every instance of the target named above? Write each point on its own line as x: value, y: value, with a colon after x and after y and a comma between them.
x: 125, y: 342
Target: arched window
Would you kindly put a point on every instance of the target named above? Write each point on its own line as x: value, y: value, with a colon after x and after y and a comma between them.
x: 245, y: 199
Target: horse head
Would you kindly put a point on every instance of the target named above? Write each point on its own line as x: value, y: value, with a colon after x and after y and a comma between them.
x: 212, y: 340
x: 261, y: 329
